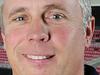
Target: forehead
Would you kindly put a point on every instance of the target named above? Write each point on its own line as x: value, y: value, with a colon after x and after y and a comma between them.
x: 71, y: 6
x: 33, y: 3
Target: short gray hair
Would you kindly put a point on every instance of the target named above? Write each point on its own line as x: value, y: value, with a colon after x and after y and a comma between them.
x: 86, y: 10
x: 1, y: 18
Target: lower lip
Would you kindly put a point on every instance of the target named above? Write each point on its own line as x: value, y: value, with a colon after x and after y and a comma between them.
x: 41, y: 62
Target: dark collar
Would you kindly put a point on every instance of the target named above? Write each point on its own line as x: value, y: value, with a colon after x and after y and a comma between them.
x: 89, y: 70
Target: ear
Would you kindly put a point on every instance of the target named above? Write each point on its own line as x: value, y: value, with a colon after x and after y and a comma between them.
x: 89, y: 31
x: 3, y: 37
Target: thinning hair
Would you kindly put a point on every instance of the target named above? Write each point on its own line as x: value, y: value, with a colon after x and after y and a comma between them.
x: 86, y: 10
x: 84, y: 4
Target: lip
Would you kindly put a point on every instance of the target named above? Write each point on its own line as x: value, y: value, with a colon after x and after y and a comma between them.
x: 40, y: 62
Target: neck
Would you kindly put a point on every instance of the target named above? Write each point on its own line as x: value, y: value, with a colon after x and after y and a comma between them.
x: 81, y: 70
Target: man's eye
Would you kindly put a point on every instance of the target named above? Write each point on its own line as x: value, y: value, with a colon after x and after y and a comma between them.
x: 57, y: 16
x: 20, y: 18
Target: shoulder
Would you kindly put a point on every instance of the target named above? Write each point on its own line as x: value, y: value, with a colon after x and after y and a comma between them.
x: 89, y: 70
x: 5, y: 71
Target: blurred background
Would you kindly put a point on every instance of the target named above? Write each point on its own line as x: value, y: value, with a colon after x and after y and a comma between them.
x: 91, y: 55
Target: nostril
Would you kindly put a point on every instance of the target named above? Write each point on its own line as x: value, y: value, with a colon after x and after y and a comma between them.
x: 42, y: 39
x: 30, y: 39
x: 45, y: 37
x: 49, y: 36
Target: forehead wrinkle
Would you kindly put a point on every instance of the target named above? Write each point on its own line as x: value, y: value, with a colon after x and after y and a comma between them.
x: 55, y: 6
x: 17, y: 10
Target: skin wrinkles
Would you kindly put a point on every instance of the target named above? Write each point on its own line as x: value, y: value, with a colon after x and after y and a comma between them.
x: 45, y: 28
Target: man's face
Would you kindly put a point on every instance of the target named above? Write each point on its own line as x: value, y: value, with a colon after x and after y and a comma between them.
x: 44, y: 37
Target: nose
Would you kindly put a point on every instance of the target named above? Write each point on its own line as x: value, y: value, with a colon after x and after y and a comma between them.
x: 38, y: 33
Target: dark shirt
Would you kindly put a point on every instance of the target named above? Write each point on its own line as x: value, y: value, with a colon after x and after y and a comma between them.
x: 88, y: 70
x: 5, y: 71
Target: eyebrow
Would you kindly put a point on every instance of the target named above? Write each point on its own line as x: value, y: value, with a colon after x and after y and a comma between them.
x: 17, y: 10
x: 55, y: 6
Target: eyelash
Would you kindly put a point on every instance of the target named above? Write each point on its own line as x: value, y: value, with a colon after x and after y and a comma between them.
x: 55, y: 17
x: 20, y: 18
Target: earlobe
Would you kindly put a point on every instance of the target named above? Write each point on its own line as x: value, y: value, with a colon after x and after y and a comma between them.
x: 89, y: 31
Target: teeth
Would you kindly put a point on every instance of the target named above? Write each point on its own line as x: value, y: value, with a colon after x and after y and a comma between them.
x: 36, y: 57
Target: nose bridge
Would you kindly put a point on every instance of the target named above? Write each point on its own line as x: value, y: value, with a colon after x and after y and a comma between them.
x: 37, y: 27
x: 37, y: 24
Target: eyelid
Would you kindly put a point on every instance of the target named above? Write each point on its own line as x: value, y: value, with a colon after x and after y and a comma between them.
x: 24, y: 16
x: 55, y: 11
x: 50, y: 17
x: 59, y: 14
x: 13, y: 18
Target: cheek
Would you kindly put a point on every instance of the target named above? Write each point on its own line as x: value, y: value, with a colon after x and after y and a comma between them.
x: 60, y: 36
x: 15, y: 36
